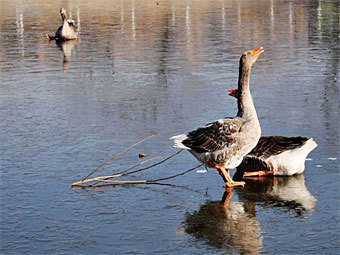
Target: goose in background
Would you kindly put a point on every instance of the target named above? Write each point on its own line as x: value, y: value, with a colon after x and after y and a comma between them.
x: 223, y: 143
x: 276, y: 155
x: 67, y: 31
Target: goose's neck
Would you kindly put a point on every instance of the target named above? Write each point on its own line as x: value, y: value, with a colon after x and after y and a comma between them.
x: 64, y: 18
x: 246, y: 108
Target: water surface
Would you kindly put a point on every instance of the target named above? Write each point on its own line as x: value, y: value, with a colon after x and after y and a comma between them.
x: 163, y: 66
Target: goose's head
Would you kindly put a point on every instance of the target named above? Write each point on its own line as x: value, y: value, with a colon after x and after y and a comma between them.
x: 249, y: 57
x: 63, y: 13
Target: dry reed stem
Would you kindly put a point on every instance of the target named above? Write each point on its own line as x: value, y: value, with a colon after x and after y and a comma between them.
x: 124, y: 182
x: 111, y: 182
x: 104, y: 179
x: 120, y: 153
x: 99, y: 178
x: 125, y: 172
x: 139, y: 164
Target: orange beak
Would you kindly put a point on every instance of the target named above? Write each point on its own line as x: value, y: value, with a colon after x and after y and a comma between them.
x: 257, y: 52
x: 233, y: 92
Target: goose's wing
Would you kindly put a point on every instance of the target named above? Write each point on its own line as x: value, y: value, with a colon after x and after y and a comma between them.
x: 273, y: 145
x: 58, y: 32
x: 72, y: 26
x: 219, y: 135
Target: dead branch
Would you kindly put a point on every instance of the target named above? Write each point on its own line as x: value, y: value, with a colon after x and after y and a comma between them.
x: 120, y: 153
x: 104, y: 179
x: 173, y: 176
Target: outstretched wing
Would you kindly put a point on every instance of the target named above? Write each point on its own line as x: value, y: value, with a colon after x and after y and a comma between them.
x: 219, y: 135
x: 273, y: 145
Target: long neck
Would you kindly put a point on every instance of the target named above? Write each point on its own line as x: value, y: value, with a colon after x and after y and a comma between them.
x: 64, y: 18
x: 246, y: 108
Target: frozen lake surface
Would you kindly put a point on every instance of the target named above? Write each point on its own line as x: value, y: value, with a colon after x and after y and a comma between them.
x: 145, y: 66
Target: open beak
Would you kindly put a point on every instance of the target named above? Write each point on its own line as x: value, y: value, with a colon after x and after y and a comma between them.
x: 257, y: 52
x: 233, y: 92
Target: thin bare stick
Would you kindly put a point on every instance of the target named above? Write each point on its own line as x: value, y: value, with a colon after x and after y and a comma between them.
x: 120, y: 153
x: 125, y: 172
x: 95, y: 179
x: 173, y: 176
x: 121, y: 173
x: 100, y: 178
x: 108, y: 185
x: 104, y: 179
x: 141, y: 163
x: 113, y: 182
x: 156, y: 164
x: 124, y: 182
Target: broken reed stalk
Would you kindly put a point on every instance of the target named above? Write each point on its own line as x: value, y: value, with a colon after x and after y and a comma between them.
x: 120, y: 153
x: 125, y: 182
x: 156, y: 164
x: 139, y: 164
x: 173, y: 176
x: 126, y: 172
x: 102, y: 179
x: 98, y: 179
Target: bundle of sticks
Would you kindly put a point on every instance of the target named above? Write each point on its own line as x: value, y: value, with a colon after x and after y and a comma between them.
x: 88, y: 182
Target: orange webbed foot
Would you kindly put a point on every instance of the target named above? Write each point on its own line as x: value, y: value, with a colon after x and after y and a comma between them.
x: 234, y: 184
x: 225, y: 175
x: 50, y: 37
x: 260, y: 173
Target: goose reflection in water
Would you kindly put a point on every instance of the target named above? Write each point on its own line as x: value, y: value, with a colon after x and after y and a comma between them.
x: 227, y: 225
x: 233, y: 226
x: 288, y: 192
x: 67, y: 47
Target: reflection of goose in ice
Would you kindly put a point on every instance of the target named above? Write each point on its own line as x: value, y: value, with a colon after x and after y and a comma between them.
x: 66, y: 47
x: 226, y: 225
x: 290, y: 192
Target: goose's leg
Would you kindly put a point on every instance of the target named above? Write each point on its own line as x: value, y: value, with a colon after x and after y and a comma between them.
x: 50, y: 37
x: 263, y: 178
x: 233, y: 184
x: 225, y: 175
x: 226, y: 198
x: 260, y: 173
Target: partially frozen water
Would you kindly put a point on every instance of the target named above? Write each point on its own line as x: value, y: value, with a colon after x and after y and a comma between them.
x: 163, y: 66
